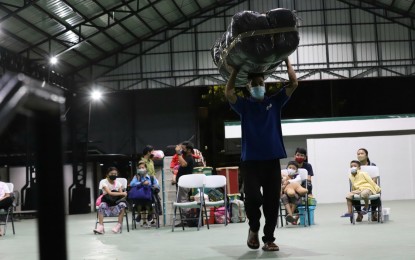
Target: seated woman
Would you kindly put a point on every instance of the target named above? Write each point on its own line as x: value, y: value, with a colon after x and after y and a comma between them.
x: 6, y: 199
x: 292, y: 191
x: 143, y: 206
x: 110, y: 186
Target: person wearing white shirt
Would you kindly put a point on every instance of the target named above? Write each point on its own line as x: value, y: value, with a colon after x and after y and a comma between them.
x: 292, y: 191
x: 6, y: 199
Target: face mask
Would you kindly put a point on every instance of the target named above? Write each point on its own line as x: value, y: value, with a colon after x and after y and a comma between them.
x: 353, y: 170
x: 361, y: 157
x: 299, y: 159
x: 257, y: 92
x: 291, y: 172
x: 141, y: 171
x: 113, y: 177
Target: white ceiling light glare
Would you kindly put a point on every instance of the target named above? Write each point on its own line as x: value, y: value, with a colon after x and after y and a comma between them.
x: 53, y: 60
x: 96, y: 95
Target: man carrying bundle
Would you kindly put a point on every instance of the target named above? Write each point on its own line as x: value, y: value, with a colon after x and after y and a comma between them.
x: 262, y: 149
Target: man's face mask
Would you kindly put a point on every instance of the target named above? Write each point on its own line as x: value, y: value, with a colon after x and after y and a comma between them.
x: 353, y: 170
x: 257, y: 92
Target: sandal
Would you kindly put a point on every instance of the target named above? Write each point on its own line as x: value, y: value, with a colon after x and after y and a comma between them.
x: 270, y: 246
x: 290, y: 218
x: 253, y: 240
x: 295, y: 221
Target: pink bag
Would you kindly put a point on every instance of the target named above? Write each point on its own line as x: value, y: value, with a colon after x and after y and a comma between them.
x: 98, y: 202
x: 220, y: 215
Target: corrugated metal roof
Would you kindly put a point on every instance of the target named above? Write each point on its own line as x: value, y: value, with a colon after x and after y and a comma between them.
x: 55, y: 27
x: 82, y: 33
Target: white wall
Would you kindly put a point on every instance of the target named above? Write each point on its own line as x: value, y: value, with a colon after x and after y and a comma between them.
x: 18, y: 177
x: 330, y: 158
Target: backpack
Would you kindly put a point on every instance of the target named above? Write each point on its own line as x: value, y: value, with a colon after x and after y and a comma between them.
x: 237, y: 210
x: 198, y: 158
x: 156, y: 197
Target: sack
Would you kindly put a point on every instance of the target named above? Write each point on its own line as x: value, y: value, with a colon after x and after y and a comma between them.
x: 111, y: 200
x: 99, y: 200
x: 197, y: 197
x: 238, y: 213
x: 141, y: 193
x: 256, y: 43
x: 215, y: 195
x: 220, y: 215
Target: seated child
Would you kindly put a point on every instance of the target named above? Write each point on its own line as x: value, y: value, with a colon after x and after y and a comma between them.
x: 144, y: 207
x: 292, y: 191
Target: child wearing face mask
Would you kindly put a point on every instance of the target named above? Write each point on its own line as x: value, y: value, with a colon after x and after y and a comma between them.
x: 292, y: 191
x: 144, y: 208
x: 111, y: 186
x: 300, y: 157
x: 362, y: 185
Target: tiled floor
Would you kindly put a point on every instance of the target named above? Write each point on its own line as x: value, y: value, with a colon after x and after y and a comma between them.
x: 331, y: 237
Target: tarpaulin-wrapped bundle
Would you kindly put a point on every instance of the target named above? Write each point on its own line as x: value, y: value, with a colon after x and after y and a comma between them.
x: 256, y: 43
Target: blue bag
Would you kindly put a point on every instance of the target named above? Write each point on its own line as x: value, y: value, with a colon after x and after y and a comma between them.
x: 141, y: 193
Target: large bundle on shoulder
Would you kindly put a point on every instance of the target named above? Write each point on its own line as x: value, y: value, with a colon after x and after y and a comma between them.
x: 256, y: 43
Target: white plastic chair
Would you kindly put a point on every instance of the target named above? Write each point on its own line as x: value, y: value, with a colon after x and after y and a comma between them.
x: 214, y: 182
x: 373, y: 172
x: 189, y: 181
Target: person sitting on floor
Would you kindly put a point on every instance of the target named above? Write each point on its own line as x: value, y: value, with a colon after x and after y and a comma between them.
x: 292, y: 191
x: 144, y: 207
x: 362, y: 185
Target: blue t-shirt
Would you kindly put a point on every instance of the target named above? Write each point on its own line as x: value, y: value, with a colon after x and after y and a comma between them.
x: 261, y: 126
